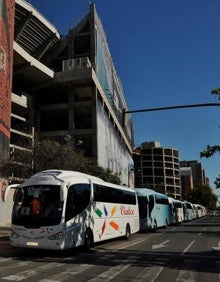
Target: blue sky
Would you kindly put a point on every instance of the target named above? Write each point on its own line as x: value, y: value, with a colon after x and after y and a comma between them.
x: 166, y: 53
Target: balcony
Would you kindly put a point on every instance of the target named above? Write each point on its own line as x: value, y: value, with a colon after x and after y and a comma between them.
x: 76, y: 64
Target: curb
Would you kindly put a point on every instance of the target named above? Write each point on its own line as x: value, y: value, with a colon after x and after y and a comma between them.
x: 4, y: 231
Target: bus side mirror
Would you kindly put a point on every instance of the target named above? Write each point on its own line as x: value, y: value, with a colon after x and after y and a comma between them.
x: 6, y: 192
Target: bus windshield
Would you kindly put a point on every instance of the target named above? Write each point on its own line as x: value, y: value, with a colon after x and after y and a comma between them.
x: 37, y: 206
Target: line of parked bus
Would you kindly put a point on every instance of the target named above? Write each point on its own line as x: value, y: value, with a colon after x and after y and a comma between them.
x: 57, y: 209
x: 158, y: 210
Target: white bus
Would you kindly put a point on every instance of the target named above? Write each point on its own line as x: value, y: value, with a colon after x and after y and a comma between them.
x: 57, y: 209
x: 188, y: 211
x: 177, y: 215
x: 200, y: 210
x: 154, y: 209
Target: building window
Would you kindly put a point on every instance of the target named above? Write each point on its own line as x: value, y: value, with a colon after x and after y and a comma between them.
x: 83, y: 117
x: 54, y: 120
x: 82, y: 94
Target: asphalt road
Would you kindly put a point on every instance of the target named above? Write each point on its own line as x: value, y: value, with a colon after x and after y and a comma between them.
x: 187, y: 252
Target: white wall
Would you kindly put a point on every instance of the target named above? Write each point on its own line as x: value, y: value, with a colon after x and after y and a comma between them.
x: 112, y: 152
x: 5, y: 203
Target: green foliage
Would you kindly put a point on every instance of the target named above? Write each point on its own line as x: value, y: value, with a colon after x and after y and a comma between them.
x: 49, y: 154
x: 216, y: 91
x: 212, y: 150
x: 203, y: 195
x: 217, y: 182
x: 18, y: 165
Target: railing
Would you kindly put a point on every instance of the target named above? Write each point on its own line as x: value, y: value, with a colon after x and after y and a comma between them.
x: 75, y: 64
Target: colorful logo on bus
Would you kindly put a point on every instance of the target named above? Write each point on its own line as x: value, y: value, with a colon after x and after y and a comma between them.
x: 104, y: 212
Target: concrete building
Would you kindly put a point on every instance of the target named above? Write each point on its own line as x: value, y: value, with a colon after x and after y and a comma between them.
x: 198, y: 173
x: 157, y: 168
x: 67, y: 88
x: 186, y: 178
x: 64, y: 88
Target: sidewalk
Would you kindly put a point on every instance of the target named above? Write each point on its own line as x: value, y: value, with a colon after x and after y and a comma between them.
x: 4, y: 239
x: 4, y: 232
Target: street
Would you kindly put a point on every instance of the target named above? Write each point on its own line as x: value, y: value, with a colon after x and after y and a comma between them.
x: 186, y: 252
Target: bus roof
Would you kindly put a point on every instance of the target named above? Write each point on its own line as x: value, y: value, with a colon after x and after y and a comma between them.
x: 147, y: 192
x: 55, y: 176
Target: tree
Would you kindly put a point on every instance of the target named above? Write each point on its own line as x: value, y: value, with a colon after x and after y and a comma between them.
x: 18, y: 165
x: 214, y: 149
x: 49, y: 154
x: 203, y: 195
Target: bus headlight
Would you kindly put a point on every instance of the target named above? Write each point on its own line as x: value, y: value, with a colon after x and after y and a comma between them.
x: 57, y: 236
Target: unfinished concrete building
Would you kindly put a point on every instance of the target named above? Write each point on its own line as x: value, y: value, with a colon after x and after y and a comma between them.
x: 66, y: 88
x: 157, y: 168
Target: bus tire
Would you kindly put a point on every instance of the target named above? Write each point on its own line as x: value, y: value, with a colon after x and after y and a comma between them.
x: 127, y: 231
x: 88, y: 239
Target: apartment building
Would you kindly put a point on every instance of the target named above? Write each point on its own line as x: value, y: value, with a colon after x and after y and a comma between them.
x: 157, y: 168
x: 66, y: 88
x: 186, y: 178
x: 198, y: 173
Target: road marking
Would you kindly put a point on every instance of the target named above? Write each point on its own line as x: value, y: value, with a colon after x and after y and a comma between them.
x: 14, y: 265
x: 49, y: 280
x: 149, y: 274
x: 68, y: 275
x: 186, y: 276
x: 162, y: 245
x: 29, y: 273
x: 6, y: 259
x: 128, y: 246
x: 188, y: 247
x: 112, y: 272
x: 217, y: 248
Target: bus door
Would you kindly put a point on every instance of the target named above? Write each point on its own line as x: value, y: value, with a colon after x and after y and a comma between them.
x: 152, y: 219
x: 143, y: 212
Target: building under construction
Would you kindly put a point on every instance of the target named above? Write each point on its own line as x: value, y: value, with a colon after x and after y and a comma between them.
x: 157, y: 168
x: 65, y: 88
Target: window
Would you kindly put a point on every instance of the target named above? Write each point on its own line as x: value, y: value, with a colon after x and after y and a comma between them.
x: 113, y: 195
x: 52, y: 120
x: 37, y: 205
x: 160, y: 199
x: 78, y: 199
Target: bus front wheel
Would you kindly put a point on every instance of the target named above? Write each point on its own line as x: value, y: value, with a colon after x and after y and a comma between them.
x: 88, y: 239
x: 127, y: 232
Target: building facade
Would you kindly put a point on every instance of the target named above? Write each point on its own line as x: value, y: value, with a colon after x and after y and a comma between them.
x: 198, y: 173
x: 67, y: 88
x: 7, y: 11
x: 157, y: 168
x: 186, y: 177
